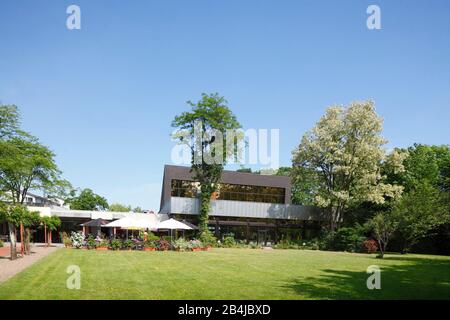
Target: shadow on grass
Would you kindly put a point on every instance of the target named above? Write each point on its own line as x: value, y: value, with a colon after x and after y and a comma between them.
x: 418, y: 278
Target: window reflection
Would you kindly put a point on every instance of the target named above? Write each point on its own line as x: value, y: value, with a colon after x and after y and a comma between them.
x: 236, y: 192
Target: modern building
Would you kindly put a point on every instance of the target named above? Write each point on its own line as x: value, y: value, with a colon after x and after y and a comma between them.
x: 250, y: 206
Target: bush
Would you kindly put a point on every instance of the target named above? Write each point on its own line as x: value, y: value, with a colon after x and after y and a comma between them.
x: 152, y: 237
x: 208, y: 239
x: 370, y: 246
x: 1, y: 244
x: 149, y: 243
x: 90, y: 242
x: 254, y: 245
x: 229, y: 242
x: 128, y: 244
x: 180, y: 244
x: 115, y: 244
x: 66, y: 240
x: 103, y: 243
x: 163, y: 245
x: 344, y: 239
x: 77, y: 239
x: 195, y: 244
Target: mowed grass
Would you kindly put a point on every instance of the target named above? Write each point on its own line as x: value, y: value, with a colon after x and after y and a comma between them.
x: 230, y: 274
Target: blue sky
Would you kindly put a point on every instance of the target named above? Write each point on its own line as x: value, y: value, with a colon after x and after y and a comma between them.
x: 103, y: 97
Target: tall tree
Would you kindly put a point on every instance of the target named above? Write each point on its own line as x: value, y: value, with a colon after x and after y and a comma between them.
x: 420, y: 211
x: 117, y: 207
x: 206, y: 131
x: 25, y: 164
x: 304, y: 183
x: 345, y: 150
x: 86, y: 200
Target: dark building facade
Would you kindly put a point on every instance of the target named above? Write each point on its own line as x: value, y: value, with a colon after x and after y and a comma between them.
x: 249, y: 206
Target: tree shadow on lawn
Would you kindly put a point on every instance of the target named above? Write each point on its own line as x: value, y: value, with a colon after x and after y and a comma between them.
x: 418, y: 278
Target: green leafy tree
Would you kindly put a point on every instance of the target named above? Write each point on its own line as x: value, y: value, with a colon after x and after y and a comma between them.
x: 419, y: 212
x: 304, y: 182
x: 25, y: 164
x: 50, y: 224
x: 383, y: 226
x: 117, y: 207
x: 9, y: 122
x: 14, y: 215
x: 138, y: 210
x: 345, y: 151
x: 31, y: 219
x: 87, y: 200
x: 206, y: 131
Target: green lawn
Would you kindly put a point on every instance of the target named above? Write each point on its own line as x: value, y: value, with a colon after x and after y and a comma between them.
x: 230, y: 274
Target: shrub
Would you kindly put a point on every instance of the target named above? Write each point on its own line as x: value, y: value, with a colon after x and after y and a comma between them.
x: 254, y: 245
x: 208, y: 239
x: 66, y: 240
x: 286, y: 244
x: 103, y: 243
x: 90, y: 242
x: 229, y: 242
x: 152, y: 237
x: 344, y: 239
x: 370, y: 246
x: 115, y: 244
x: 180, y: 244
x: 150, y: 243
x: 194, y: 244
x: 1, y: 244
x: 77, y: 239
x: 163, y: 245
x: 128, y: 244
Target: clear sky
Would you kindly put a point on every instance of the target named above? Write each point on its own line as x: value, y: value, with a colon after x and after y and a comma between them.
x: 103, y: 97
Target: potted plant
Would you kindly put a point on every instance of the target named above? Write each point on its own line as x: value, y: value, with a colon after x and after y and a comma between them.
x: 208, y: 240
x: 128, y: 244
x: 77, y: 239
x: 90, y: 242
x: 163, y: 245
x: 149, y: 245
x: 115, y: 244
x: 195, y: 245
x: 180, y: 244
x: 102, y: 245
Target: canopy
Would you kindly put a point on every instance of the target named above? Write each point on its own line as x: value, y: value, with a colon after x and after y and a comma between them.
x: 172, y: 224
x: 133, y: 222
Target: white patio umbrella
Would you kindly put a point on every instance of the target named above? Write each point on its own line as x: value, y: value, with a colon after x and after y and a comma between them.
x: 172, y: 224
x: 133, y: 222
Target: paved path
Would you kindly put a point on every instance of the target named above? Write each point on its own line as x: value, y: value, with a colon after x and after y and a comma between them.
x: 9, y: 268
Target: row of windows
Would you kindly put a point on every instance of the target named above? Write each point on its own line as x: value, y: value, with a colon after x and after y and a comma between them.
x: 189, y: 189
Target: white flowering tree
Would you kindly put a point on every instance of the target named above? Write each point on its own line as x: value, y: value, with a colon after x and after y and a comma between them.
x: 345, y: 149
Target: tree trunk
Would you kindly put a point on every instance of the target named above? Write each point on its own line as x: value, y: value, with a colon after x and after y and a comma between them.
x: 333, y: 219
x: 49, y: 238
x: 27, y: 240
x: 12, y: 239
x: 45, y: 234
x: 22, y: 240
